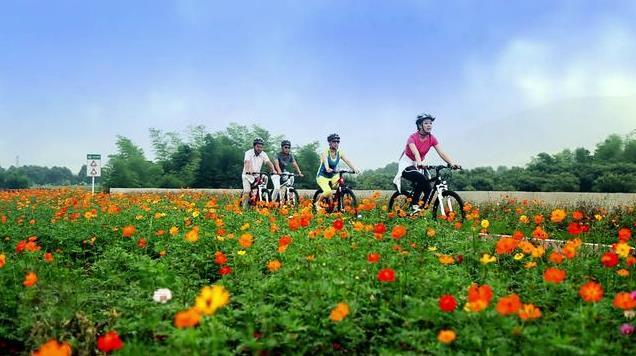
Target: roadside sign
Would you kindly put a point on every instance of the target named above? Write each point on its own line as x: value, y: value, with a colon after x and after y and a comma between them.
x: 93, y: 165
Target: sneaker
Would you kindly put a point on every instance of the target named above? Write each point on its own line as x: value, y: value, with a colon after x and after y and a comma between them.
x: 415, y: 209
x: 317, y: 206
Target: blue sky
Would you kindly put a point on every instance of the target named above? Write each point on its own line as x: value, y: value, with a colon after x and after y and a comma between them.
x: 74, y: 74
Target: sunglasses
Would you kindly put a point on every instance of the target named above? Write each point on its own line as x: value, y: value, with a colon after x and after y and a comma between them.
x: 286, y: 147
x: 336, y: 141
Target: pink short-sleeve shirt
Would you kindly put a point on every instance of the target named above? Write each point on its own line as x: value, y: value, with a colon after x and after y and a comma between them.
x: 423, y: 145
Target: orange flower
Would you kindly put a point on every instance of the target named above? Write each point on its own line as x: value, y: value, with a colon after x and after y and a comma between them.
x: 430, y: 232
x: 220, y: 258
x: 591, y: 292
x: 478, y: 297
x: 446, y: 259
x: 174, y: 231
x: 508, y: 305
x: 329, y: 233
x: 624, y: 300
x: 246, y: 240
x: 538, y: 219
x: 339, y: 312
x: 398, y: 231
x: 517, y: 235
x: 556, y: 257
x: 539, y: 233
x: 557, y: 215
x: 30, y: 279
x: 192, y: 235
x: 128, y: 231
x: 529, y: 311
x: 274, y: 265
x: 187, y: 318
x: 506, y: 245
x: 526, y: 246
x: 53, y: 348
x: 3, y: 260
x: 48, y: 257
x: 554, y: 275
x: 577, y: 215
x: 446, y: 336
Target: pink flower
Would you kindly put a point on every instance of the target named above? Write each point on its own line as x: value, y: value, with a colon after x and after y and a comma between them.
x: 627, y: 329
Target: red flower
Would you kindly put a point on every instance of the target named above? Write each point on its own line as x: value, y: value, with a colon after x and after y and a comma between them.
x: 609, y: 259
x: 220, y: 258
x: 575, y: 228
x: 624, y: 234
x: 459, y: 258
x: 447, y: 303
x: 109, y: 342
x: 386, y: 275
x: 225, y: 270
x: 379, y: 228
x: 338, y: 224
x: 373, y: 257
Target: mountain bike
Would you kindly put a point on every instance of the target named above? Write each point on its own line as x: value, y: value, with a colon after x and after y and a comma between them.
x: 258, y: 188
x: 287, y: 193
x: 342, y: 199
x: 446, y: 204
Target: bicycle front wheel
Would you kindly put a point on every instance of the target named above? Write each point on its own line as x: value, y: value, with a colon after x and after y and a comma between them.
x: 347, y: 202
x: 449, y: 207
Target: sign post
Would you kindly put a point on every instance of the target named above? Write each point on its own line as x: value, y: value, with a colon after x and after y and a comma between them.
x: 93, y: 168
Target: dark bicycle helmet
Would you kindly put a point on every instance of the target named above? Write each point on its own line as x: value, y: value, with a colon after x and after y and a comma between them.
x: 422, y: 117
x: 258, y: 141
x: 285, y: 143
x: 333, y: 137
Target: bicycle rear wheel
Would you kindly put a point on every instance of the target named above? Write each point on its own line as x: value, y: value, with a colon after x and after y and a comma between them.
x: 450, y: 207
x: 347, y: 202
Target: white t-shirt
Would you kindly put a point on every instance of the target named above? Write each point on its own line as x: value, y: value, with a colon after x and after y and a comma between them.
x: 257, y: 161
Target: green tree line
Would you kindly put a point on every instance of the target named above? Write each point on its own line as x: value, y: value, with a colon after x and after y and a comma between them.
x: 201, y: 159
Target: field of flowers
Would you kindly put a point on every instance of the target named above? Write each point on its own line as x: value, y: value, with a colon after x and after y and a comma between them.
x: 193, y: 274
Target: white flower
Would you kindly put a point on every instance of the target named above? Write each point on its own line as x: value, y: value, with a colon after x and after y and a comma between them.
x: 629, y: 314
x: 162, y: 295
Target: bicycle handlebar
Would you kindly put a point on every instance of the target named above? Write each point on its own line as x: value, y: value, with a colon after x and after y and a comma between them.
x: 439, y: 167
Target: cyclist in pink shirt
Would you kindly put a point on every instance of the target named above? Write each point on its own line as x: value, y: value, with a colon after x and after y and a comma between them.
x: 417, y: 146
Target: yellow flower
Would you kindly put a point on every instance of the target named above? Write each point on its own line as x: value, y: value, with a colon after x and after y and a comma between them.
x: 485, y: 223
x: 487, y: 258
x: 446, y: 336
x: 523, y: 219
x: 339, y: 312
x: 598, y: 217
x: 241, y: 252
x: 195, y: 213
x: 538, y: 252
x: 220, y: 238
x: 622, y: 249
x: 245, y: 226
x: 432, y: 248
x: 211, y: 298
x: 174, y: 230
x: 519, y: 256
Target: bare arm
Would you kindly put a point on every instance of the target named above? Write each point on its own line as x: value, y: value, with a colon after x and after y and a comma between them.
x: 297, y: 168
x: 272, y: 168
x: 416, y: 154
x: 323, y: 161
x: 350, y: 164
x: 277, y: 165
x: 247, y: 166
x: 444, y: 155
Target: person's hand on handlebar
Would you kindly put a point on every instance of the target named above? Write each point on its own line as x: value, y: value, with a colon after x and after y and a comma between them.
x: 454, y: 166
x: 328, y: 170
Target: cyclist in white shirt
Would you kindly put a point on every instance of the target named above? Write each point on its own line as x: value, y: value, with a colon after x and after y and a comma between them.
x: 252, y: 163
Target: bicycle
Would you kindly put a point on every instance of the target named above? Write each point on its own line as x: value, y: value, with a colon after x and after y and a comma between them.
x: 258, y: 188
x: 287, y: 193
x: 447, y: 207
x: 342, y: 199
